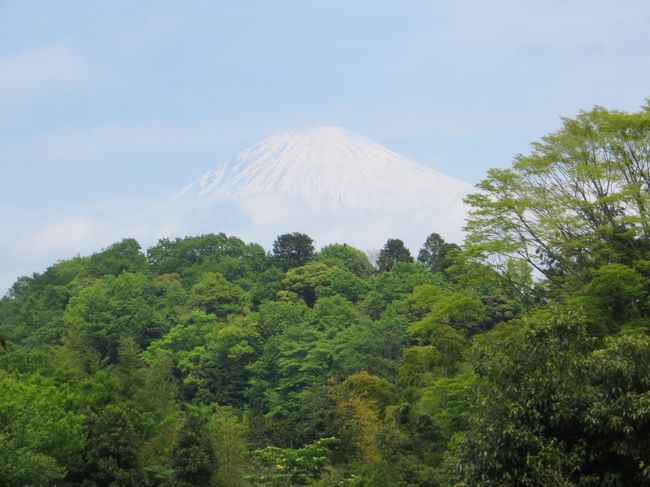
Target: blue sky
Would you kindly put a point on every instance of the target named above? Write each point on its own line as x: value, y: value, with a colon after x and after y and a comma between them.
x: 104, y: 105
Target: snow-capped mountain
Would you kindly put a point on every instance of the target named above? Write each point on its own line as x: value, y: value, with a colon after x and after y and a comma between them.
x: 328, y: 182
x: 331, y: 167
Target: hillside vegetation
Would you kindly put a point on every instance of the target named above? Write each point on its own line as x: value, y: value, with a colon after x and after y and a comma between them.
x: 521, y: 358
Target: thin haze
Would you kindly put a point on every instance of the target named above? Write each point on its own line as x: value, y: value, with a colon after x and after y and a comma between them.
x: 107, y: 106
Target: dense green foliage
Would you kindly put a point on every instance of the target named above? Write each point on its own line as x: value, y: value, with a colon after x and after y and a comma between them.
x: 207, y: 361
x: 393, y: 252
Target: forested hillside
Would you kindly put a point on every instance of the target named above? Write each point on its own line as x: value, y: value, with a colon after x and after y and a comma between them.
x: 521, y: 358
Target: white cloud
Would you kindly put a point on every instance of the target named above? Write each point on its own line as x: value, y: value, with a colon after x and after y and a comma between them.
x: 31, y: 243
x: 28, y: 248
x: 29, y: 74
x: 70, y: 235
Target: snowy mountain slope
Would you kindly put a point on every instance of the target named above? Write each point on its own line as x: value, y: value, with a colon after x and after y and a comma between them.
x: 328, y: 166
x: 327, y: 181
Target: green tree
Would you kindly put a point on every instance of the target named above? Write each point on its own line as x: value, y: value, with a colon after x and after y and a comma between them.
x: 128, y: 366
x: 192, y: 456
x: 614, y: 296
x: 158, y: 391
x: 120, y: 257
x: 461, y: 311
x: 293, y: 250
x: 286, y: 467
x: 448, y: 342
x: 32, y: 311
x: 344, y: 283
x: 214, y: 294
x: 228, y: 434
x: 433, y: 252
x: 180, y: 254
x: 555, y: 408
x: 41, y: 438
x: 371, y: 387
x: 112, y: 453
x: 394, y: 251
x: 347, y: 257
x: 389, y: 286
x: 266, y: 286
x: 274, y: 317
x: 579, y: 200
x: 410, y: 443
x: 127, y: 305
x: 333, y: 314
x: 220, y: 372
x: 300, y: 395
x: 306, y: 279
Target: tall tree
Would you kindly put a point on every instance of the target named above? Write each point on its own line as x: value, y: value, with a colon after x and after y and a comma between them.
x: 433, y: 252
x: 580, y: 199
x: 112, y: 454
x: 293, y: 250
x: 394, y: 251
x: 192, y: 456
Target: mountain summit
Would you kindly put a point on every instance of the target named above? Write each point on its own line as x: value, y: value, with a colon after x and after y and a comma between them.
x: 328, y: 181
x: 329, y: 167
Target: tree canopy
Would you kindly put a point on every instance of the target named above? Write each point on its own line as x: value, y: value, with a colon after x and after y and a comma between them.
x: 579, y: 200
x: 521, y: 358
x: 393, y: 251
x: 293, y: 250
